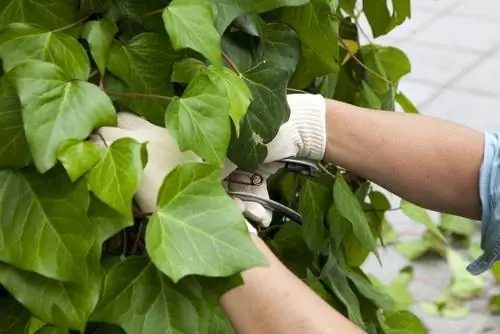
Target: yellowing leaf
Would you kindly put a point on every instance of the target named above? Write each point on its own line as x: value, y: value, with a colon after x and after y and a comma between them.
x: 351, y: 47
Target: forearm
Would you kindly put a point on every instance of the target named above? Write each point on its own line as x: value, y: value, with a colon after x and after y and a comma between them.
x: 273, y: 300
x: 428, y: 161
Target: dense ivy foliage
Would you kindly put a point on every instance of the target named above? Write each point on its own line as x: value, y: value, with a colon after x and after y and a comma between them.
x: 77, y: 255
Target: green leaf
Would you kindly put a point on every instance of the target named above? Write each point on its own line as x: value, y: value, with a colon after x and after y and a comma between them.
x: 94, y: 6
x: 319, y: 34
x: 108, y: 221
x: 458, y: 225
x: 14, y: 149
x: 406, y: 104
x: 34, y: 325
x: 349, y: 207
x: 220, y: 323
x: 337, y: 281
x: 430, y: 308
x: 494, y: 304
x: 185, y: 307
x: 373, y: 101
x: 49, y: 14
x: 70, y: 109
x: 100, y: 35
x: 402, y: 322
x: 78, y: 157
x: 495, y: 270
x: 228, y: 10
x: 315, y: 199
x: 413, y: 250
x: 20, y: 42
x: 198, y: 229
x: 464, y: 284
x: 191, y: 24
x: 144, y: 12
x: 116, y: 178
x: 52, y: 330
x: 52, y: 234
x: 378, y: 16
x: 268, y: 83
x: 64, y: 304
x: 145, y: 64
x: 14, y: 318
x: 365, y: 287
x: 200, y: 121
x: 231, y: 85
x: 421, y: 216
x: 290, y: 247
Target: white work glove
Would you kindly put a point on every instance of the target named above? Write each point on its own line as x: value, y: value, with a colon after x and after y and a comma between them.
x: 164, y: 155
x: 303, y: 136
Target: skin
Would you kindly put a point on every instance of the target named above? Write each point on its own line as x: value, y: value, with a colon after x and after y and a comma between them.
x: 430, y: 162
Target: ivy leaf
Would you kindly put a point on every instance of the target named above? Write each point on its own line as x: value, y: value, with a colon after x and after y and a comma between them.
x: 94, y: 6
x: 421, y: 216
x: 70, y: 109
x: 228, y: 10
x: 44, y: 243
x: 34, y: 325
x: 144, y: 12
x: 200, y: 121
x: 197, y: 228
x: 184, y: 307
x: 78, y: 157
x: 268, y: 83
x: 20, y: 42
x: 349, y: 207
x: 56, y: 302
x: 145, y: 65
x: 52, y: 14
x: 52, y: 330
x: 230, y: 85
x: 220, y: 323
x: 191, y: 24
x: 108, y: 222
x: 100, y: 35
x: 115, y: 179
x: 316, y: 29
x: 14, y: 318
x: 315, y: 199
x: 14, y: 149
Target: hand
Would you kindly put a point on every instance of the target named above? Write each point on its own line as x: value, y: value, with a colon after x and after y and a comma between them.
x: 303, y: 136
x: 163, y: 153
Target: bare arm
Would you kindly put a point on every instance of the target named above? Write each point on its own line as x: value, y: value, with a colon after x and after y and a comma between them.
x: 273, y: 300
x: 425, y: 160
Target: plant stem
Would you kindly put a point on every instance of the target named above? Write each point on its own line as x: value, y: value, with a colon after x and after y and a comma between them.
x: 93, y: 74
x: 297, y: 90
x: 353, y: 56
x: 231, y: 63
x: 146, y: 96
x: 69, y: 26
x: 155, y: 12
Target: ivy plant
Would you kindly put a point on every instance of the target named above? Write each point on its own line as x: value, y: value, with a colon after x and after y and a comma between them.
x: 76, y: 255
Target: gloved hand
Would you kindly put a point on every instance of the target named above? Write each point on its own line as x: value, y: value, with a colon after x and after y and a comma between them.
x: 164, y: 155
x: 303, y: 136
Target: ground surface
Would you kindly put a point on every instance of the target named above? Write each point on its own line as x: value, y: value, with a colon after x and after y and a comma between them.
x: 454, y: 46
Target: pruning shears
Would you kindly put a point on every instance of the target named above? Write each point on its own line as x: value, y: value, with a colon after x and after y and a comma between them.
x: 294, y: 165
